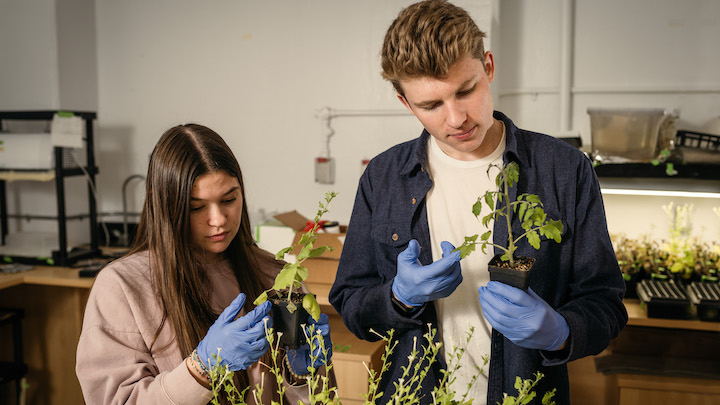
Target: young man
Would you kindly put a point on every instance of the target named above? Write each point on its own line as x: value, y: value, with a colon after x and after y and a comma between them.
x: 417, y: 196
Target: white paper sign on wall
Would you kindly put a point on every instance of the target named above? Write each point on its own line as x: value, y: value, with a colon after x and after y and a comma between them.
x: 67, y: 130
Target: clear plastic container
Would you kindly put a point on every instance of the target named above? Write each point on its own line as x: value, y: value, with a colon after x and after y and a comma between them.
x: 631, y: 135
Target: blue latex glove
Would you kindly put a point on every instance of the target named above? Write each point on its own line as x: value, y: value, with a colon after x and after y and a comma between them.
x: 416, y: 284
x: 523, y: 317
x: 300, y: 358
x: 242, y: 341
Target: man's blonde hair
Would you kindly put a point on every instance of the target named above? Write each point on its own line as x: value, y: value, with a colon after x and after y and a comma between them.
x: 426, y: 39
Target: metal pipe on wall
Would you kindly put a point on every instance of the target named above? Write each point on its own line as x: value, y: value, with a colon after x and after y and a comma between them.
x: 327, y: 114
x: 566, y: 63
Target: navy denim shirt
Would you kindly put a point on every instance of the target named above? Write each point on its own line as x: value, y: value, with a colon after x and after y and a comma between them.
x: 579, y: 277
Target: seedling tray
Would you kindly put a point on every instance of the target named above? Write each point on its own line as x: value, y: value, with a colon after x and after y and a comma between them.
x: 706, y: 298
x: 697, y: 147
x: 664, y: 299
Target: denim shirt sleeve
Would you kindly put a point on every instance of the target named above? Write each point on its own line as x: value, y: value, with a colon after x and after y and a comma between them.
x: 594, y: 310
x: 579, y: 276
x: 388, y: 212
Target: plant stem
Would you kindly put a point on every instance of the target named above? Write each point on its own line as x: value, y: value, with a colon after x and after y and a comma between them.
x: 508, y: 217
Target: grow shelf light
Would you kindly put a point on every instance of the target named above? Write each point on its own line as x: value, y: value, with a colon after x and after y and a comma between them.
x: 660, y: 193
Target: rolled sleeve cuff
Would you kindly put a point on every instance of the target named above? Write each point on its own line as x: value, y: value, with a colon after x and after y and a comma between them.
x: 182, y: 388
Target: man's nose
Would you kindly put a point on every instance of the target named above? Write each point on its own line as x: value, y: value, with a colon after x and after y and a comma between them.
x: 456, y: 114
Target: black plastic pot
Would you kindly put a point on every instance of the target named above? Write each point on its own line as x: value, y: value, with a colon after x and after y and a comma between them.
x: 513, y: 277
x: 631, y: 282
x: 289, y: 323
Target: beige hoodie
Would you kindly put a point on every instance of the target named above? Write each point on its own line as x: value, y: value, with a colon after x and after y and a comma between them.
x: 115, y: 364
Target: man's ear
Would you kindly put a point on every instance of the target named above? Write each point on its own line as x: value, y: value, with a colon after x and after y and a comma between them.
x: 490, y: 66
x: 404, y: 101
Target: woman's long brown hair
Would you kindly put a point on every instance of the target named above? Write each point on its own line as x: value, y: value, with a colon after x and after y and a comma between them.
x: 182, y: 154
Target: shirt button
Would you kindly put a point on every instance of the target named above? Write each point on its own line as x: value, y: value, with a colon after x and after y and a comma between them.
x: 414, y: 201
x: 395, y: 237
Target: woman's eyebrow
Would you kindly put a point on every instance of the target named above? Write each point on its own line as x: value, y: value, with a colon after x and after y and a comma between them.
x: 232, y: 190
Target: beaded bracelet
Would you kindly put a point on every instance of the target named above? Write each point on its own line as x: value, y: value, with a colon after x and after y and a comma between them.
x: 203, y: 370
x: 290, y: 370
x: 198, y: 371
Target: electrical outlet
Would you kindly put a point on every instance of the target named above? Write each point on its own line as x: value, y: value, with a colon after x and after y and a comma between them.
x: 324, y: 170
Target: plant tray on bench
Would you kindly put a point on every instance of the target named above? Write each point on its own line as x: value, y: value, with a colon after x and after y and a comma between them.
x: 664, y: 299
x: 706, y: 298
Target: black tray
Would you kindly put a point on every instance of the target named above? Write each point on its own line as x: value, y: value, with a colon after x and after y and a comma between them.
x: 706, y: 298
x: 664, y: 299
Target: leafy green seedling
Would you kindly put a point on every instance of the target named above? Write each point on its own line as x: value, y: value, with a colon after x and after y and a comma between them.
x: 293, y: 275
x: 534, y: 221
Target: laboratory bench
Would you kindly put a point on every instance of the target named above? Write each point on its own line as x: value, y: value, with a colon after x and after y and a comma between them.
x: 54, y: 300
x: 652, y: 361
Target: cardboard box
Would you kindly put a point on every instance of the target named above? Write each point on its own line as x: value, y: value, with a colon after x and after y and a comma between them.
x: 274, y: 236
x: 321, y: 269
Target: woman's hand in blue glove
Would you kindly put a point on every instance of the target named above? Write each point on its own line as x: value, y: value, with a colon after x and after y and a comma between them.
x: 416, y: 284
x: 523, y: 317
x: 242, y: 341
x: 301, y: 358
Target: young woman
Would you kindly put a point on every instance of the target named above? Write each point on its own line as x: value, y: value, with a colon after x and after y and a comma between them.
x: 151, y: 323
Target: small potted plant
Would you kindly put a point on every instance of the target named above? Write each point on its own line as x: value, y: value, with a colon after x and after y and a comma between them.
x: 505, y: 267
x: 290, y: 304
x: 636, y: 258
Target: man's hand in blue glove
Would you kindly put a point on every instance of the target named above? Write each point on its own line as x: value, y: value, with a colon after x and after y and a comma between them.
x: 301, y: 358
x: 524, y: 318
x: 416, y: 284
x: 242, y: 341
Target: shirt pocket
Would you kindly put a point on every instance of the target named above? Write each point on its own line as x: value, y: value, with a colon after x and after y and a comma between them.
x: 389, y: 238
x: 393, y: 234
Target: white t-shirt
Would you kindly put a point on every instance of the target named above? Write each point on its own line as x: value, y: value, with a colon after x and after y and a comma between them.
x: 456, y: 187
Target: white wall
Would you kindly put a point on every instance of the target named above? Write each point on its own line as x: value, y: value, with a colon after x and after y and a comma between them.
x: 637, y: 54
x: 28, y: 45
x: 258, y: 71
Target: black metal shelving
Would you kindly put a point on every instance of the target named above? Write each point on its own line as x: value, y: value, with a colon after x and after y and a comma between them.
x: 705, y: 171
x: 60, y: 257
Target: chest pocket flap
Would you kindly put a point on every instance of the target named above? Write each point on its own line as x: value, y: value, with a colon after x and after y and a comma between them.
x: 391, y: 233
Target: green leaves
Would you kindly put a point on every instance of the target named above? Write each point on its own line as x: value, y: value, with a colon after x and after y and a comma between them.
x: 288, y: 276
x: 293, y: 275
x: 281, y: 254
x: 477, y: 207
x: 526, y: 394
x: 533, y: 239
x: 311, y: 306
x: 261, y: 298
x: 467, y: 247
x: 527, y: 207
x: 552, y: 230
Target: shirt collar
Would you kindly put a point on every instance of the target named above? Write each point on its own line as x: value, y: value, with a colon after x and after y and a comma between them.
x: 418, y: 155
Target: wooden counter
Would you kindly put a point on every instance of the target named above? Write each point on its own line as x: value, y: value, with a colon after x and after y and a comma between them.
x: 660, y: 341
x: 638, y: 317
x: 49, y: 276
x: 54, y: 301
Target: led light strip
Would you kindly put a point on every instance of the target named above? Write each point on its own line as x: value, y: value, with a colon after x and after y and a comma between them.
x: 660, y: 193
